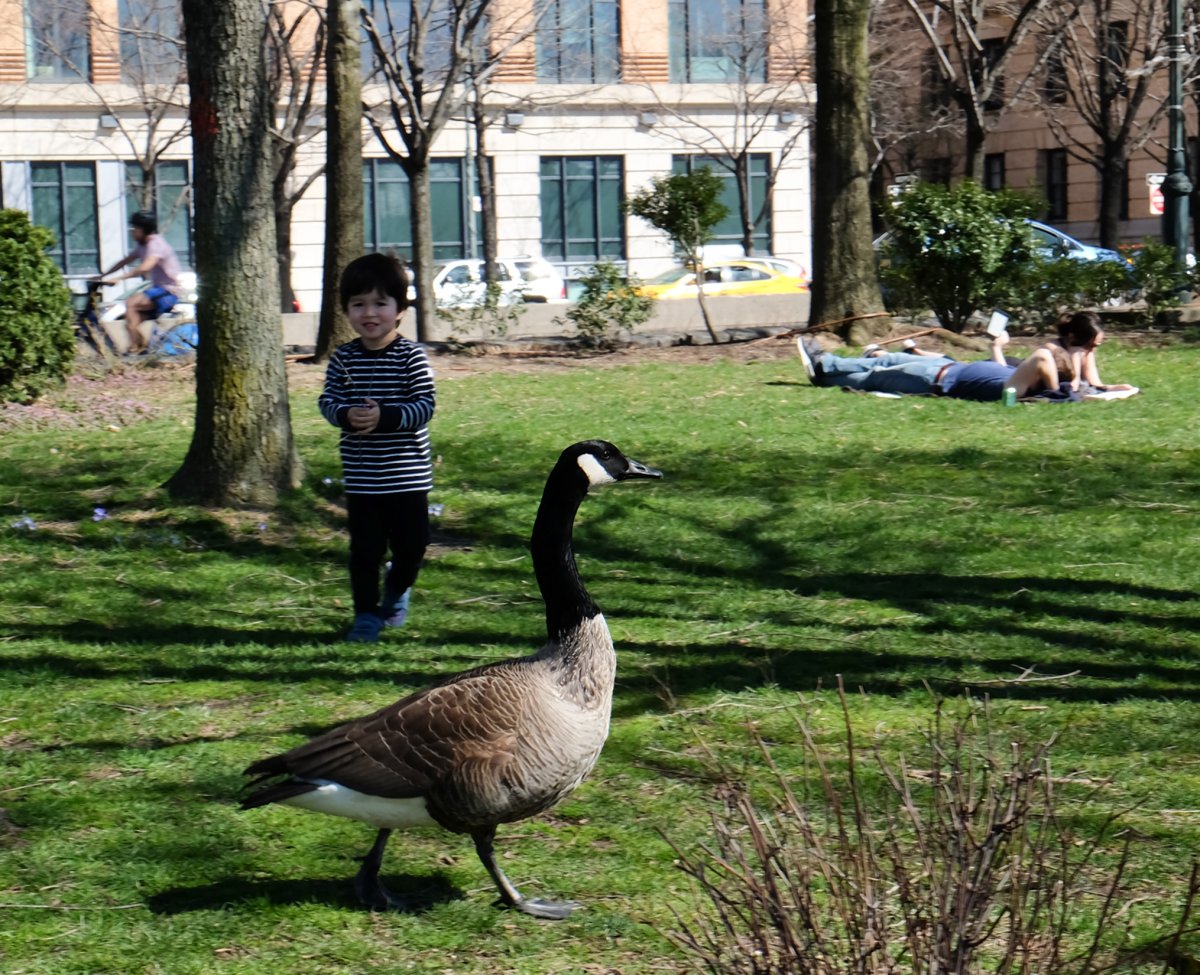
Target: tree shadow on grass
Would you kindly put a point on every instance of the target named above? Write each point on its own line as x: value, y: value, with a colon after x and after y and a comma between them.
x: 420, y: 894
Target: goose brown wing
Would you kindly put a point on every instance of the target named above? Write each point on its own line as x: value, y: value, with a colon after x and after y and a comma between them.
x: 407, y: 748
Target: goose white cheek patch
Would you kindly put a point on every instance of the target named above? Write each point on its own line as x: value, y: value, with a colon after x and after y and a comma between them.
x: 596, y: 474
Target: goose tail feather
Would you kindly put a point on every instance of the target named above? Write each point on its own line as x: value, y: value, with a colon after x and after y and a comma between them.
x: 265, y: 793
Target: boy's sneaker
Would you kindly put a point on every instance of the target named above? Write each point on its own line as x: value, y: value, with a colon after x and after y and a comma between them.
x: 365, y: 629
x: 395, y: 608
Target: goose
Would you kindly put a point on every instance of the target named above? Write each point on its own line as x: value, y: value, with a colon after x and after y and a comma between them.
x: 496, y: 744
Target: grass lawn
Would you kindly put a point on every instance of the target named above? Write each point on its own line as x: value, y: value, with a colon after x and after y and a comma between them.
x: 149, y: 651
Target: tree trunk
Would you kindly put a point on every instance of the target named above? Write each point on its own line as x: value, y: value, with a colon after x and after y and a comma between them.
x: 974, y: 139
x: 741, y: 170
x: 283, y: 246
x: 1113, y: 173
x: 242, y: 451
x: 845, y: 285
x: 422, y: 234
x: 343, y: 168
x: 712, y: 332
x: 487, y: 194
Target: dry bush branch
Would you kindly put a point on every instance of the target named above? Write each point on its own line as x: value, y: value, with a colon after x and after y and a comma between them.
x: 973, y: 866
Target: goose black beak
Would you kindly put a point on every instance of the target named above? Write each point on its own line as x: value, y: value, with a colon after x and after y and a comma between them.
x: 638, y: 469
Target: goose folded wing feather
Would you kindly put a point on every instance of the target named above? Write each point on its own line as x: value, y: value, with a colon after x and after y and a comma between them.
x: 407, y: 749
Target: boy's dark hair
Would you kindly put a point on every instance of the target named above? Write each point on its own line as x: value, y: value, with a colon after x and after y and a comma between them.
x: 1080, y: 330
x: 374, y: 272
x: 144, y: 221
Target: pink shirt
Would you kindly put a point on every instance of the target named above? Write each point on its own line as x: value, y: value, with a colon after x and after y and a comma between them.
x: 164, y: 274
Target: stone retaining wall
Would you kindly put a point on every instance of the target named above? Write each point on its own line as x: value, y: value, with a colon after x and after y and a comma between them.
x: 673, y: 317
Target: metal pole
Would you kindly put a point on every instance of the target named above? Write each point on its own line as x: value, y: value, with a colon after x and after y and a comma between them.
x: 1177, y: 186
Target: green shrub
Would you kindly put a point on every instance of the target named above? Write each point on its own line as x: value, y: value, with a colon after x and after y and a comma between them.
x: 608, y: 305
x: 954, y: 249
x: 1161, y: 282
x: 1045, y: 289
x: 37, y: 341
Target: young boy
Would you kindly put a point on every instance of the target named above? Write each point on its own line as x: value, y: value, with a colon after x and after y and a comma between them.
x: 379, y: 392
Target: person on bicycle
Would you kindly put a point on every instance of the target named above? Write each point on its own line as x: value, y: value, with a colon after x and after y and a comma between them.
x: 153, y: 258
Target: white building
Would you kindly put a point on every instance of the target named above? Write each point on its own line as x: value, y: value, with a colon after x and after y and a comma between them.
x: 87, y: 87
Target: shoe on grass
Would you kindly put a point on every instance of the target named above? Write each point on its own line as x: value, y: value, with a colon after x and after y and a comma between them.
x: 810, y: 355
x: 365, y: 629
x: 395, y: 608
x: 806, y: 357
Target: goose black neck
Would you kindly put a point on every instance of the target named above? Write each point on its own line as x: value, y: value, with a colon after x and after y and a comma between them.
x: 567, y: 601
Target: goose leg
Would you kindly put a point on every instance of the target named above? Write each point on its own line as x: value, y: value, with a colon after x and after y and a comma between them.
x: 550, y: 910
x: 367, y: 885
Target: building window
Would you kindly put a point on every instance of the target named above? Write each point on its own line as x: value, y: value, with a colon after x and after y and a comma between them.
x: 1054, y: 161
x: 729, y: 230
x: 56, y: 40
x: 983, y: 67
x: 170, y: 199
x: 935, y: 93
x: 581, y: 208
x: 937, y: 170
x: 151, y: 41
x: 579, y: 41
x: 993, y: 171
x: 1115, y: 62
x: 1054, y: 86
x: 391, y: 20
x: 388, y: 216
x: 718, y: 40
x: 63, y: 198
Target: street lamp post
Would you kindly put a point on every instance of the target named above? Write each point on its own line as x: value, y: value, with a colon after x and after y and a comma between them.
x: 1177, y: 186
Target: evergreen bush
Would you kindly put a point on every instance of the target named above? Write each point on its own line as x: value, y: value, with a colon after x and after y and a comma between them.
x: 1046, y: 289
x: 37, y: 341
x: 954, y: 250
x: 1161, y: 282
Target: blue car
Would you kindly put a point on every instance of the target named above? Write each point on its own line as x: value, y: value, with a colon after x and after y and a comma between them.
x: 1054, y: 243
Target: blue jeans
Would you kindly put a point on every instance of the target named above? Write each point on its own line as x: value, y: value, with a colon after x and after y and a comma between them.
x: 893, y: 372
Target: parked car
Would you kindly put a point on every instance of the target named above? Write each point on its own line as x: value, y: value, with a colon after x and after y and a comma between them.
x: 541, y: 278
x: 784, y: 265
x: 718, y: 253
x: 1053, y: 243
x: 746, y: 277
x: 461, y: 283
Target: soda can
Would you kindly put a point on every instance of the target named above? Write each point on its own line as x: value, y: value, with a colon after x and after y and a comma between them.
x: 1010, y: 396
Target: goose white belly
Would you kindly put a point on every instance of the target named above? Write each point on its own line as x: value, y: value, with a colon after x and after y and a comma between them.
x: 377, y: 811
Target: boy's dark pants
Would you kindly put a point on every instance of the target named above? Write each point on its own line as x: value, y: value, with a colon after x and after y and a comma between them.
x: 379, y: 522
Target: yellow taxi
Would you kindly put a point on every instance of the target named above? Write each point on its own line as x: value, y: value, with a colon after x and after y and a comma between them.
x: 737, y: 277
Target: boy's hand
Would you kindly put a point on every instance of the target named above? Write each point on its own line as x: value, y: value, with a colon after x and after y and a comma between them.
x: 364, y: 418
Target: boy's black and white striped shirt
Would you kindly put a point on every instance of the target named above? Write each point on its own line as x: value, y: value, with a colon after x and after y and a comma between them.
x: 395, y: 456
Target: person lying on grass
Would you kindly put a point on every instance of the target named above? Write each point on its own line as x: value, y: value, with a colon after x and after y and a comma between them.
x: 1079, y: 335
x: 934, y: 375
x: 1074, y: 351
